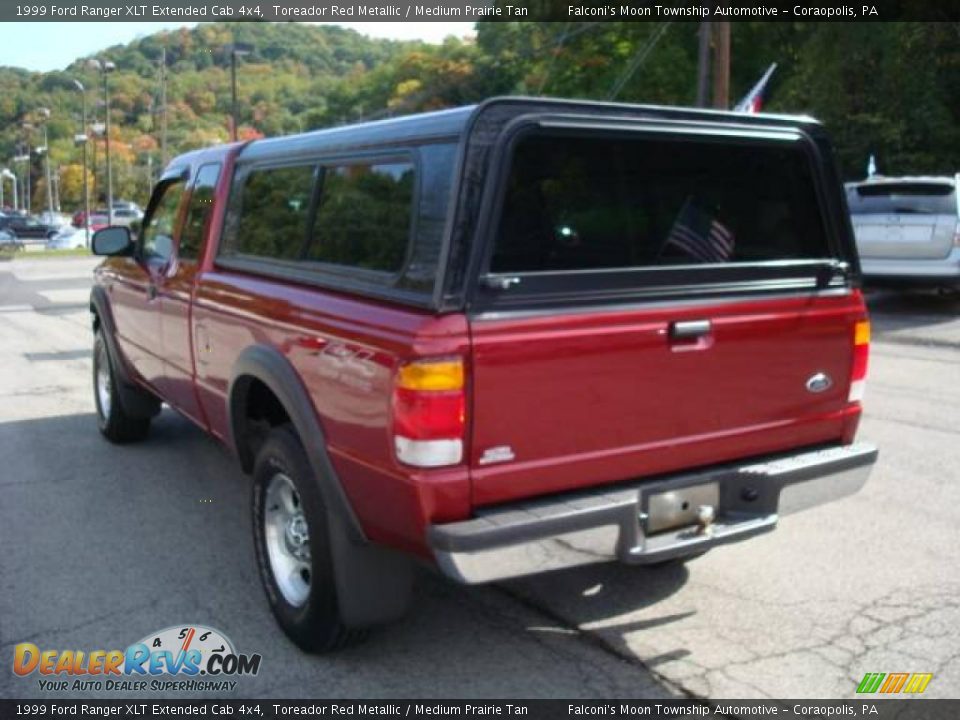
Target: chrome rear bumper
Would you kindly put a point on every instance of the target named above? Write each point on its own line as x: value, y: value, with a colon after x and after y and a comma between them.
x: 604, y: 525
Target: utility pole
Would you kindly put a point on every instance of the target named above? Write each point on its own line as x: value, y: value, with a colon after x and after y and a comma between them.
x: 235, y: 49
x: 721, y: 66
x: 163, y: 107
x: 56, y: 189
x: 45, y: 114
x: 81, y: 139
x: 4, y: 174
x: 27, y: 127
x: 703, y: 65
x: 94, y: 167
x: 233, y: 95
x: 105, y: 67
x: 106, y: 139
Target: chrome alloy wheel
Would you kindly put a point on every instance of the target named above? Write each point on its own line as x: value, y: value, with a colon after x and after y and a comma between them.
x: 104, y: 397
x: 287, y: 538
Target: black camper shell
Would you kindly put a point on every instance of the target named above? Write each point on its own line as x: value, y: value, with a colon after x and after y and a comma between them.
x: 462, y: 158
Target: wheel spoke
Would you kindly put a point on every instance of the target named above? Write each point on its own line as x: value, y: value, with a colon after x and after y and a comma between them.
x: 287, y: 496
x: 286, y: 535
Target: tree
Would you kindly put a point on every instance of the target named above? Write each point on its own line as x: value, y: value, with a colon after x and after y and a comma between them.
x: 71, y: 185
x: 890, y: 89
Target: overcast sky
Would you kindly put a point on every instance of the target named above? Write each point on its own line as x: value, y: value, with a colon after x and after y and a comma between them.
x: 54, y: 45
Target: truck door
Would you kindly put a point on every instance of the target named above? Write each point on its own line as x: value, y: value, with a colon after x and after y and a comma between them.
x: 176, y: 296
x: 136, y: 302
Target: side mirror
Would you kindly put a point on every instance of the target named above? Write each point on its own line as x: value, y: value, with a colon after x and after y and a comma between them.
x: 113, y: 241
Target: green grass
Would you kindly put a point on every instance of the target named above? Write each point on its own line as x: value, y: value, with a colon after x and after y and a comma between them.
x: 42, y: 254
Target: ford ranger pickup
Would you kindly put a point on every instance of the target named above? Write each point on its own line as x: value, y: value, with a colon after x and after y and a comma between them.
x: 498, y: 340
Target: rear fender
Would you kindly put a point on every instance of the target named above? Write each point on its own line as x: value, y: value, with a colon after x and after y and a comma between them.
x: 373, y: 583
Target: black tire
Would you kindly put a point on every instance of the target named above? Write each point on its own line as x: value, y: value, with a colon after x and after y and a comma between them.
x: 310, y: 615
x: 115, y: 422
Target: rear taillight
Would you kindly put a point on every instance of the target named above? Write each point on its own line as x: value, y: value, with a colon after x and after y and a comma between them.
x: 429, y: 413
x: 861, y: 350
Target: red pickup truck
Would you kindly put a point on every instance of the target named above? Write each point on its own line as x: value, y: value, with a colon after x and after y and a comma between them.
x: 499, y: 340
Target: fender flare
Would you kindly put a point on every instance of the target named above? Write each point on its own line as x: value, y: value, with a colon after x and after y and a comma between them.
x: 266, y: 364
x: 100, y: 306
x: 134, y: 399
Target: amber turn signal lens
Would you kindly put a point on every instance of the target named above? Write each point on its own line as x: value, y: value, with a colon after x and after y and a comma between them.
x: 861, y: 333
x: 431, y: 375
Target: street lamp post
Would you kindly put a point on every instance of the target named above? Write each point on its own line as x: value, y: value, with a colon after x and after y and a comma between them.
x: 81, y: 139
x: 27, y: 127
x: 235, y: 49
x: 105, y: 67
x: 44, y: 113
x: 5, y: 173
x: 24, y: 186
x: 56, y: 188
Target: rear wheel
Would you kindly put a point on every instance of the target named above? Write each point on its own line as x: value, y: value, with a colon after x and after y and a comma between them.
x: 115, y: 422
x: 294, y: 552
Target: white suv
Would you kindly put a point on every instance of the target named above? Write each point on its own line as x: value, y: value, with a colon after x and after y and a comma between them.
x: 907, y: 229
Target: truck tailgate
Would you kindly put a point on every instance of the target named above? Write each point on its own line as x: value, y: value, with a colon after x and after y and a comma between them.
x: 572, y: 399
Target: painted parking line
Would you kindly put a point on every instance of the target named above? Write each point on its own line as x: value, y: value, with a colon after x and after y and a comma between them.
x: 66, y: 295
x: 52, y: 277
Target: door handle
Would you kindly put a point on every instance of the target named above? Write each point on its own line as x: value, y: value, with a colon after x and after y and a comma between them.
x: 689, y: 329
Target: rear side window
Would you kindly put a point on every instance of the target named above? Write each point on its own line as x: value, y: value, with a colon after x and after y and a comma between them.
x: 275, y: 207
x: 367, y: 224
x: 363, y: 216
x: 593, y: 203
x: 902, y: 198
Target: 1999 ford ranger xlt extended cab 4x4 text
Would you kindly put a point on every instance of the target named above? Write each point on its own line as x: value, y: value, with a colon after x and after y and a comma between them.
x: 499, y: 339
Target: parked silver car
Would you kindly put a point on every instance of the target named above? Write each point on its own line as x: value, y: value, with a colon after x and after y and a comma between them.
x: 907, y: 229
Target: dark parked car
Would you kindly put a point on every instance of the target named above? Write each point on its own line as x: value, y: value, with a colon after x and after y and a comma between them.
x: 499, y: 339
x: 27, y: 228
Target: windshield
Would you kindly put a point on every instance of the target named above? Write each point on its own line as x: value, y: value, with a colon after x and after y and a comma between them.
x: 902, y: 198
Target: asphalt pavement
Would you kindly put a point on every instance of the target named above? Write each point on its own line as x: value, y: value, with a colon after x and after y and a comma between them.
x: 101, y: 545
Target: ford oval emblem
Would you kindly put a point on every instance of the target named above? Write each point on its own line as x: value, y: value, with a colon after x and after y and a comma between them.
x: 819, y: 382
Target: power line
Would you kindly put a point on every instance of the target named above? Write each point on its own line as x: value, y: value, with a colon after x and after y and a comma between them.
x: 637, y: 60
x: 553, y: 58
x: 424, y: 94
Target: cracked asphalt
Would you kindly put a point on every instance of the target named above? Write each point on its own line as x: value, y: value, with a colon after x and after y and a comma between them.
x: 102, y: 545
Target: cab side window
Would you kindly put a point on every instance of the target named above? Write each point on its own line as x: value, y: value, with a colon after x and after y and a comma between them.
x: 158, y: 235
x: 199, y: 211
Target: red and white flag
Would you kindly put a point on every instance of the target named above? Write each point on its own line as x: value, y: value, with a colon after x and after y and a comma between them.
x: 753, y: 101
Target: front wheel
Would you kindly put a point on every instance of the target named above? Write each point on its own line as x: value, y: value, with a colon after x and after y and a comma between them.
x: 293, y: 545
x: 115, y: 423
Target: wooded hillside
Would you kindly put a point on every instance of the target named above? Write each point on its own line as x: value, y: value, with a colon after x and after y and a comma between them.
x: 891, y: 89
